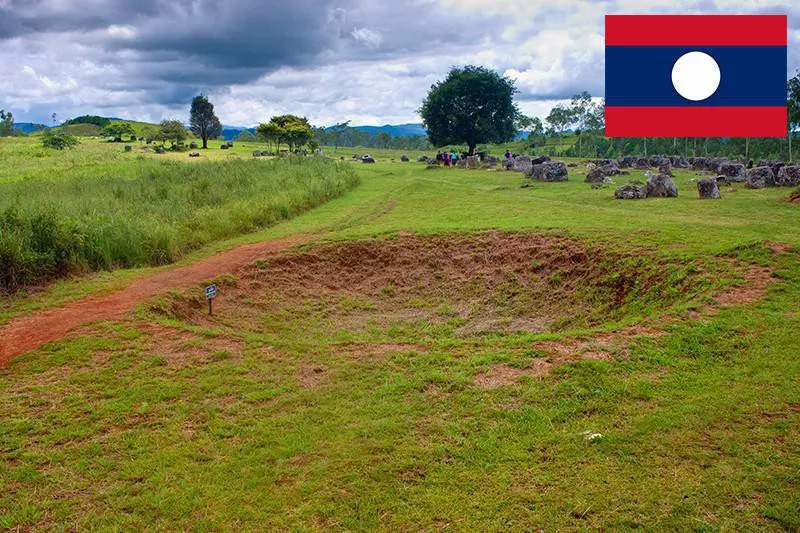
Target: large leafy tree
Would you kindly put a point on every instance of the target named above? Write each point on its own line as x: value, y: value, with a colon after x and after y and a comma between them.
x: 472, y: 105
x: 6, y: 123
x: 793, y: 103
x: 202, y: 120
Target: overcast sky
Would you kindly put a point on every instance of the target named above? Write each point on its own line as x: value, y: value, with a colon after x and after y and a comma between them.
x: 369, y: 61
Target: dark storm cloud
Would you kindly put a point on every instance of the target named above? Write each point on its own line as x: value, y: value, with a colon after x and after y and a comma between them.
x: 334, y: 59
x: 208, y: 44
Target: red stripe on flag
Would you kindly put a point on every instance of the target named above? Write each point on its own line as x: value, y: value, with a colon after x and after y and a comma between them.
x: 696, y: 122
x: 696, y: 30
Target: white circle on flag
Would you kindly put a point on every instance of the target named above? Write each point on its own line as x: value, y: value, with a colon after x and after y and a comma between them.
x: 696, y: 76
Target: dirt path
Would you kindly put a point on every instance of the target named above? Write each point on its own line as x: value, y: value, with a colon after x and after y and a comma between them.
x: 30, y: 332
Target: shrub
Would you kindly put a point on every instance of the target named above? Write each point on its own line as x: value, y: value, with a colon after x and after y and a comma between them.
x: 58, y: 140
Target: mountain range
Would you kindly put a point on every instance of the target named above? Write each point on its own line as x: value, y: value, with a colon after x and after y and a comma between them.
x: 395, y: 130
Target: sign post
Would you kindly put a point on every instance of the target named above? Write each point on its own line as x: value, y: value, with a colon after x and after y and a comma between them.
x: 211, y: 293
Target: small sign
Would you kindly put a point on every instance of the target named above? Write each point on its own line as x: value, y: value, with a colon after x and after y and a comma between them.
x: 211, y: 292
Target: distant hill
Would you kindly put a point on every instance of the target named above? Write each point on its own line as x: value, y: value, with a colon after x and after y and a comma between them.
x: 28, y: 127
x: 229, y: 133
x: 406, y: 130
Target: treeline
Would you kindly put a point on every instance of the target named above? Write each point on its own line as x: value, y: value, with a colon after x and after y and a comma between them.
x: 101, y: 122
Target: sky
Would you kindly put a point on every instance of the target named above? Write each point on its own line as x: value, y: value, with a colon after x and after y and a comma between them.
x: 367, y: 61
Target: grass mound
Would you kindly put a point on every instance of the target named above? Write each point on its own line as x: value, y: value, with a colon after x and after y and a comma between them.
x: 152, y: 214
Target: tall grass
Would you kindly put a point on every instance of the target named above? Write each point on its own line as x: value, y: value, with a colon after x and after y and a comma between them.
x: 152, y: 213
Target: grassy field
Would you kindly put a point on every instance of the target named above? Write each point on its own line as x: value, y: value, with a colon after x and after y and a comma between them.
x: 459, y: 353
x: 139, y: 211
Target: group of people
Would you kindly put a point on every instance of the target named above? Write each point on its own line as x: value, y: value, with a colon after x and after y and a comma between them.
x: 448, y: 159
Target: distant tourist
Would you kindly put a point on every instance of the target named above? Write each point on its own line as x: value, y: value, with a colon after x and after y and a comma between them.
x: 508, y: 155
x: 453, y: 158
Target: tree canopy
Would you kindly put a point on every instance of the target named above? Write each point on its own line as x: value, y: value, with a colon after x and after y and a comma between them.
x: 793, y: 104
x: 472, y: 105
x: 118, y: 129
x: 290, y: 129
x: 89, y: 119
x: 6, y: 123
x: 171, y: 130
x: 202, y: 120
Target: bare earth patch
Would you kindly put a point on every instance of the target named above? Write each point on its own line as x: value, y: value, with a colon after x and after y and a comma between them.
x: 600, y: 347
x: 180, y: 347
x: 758, y: 279
x: 310, y: 376
x: 504, y: 375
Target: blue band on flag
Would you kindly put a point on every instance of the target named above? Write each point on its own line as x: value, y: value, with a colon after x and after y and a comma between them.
x: 642, y: 76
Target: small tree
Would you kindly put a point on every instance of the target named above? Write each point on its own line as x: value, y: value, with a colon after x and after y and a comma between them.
x: 338, y: 131
x: 560, y: 118
x: 293, y: 130
x: 6, y: 123
x: 272, y: 133
x: 793, y: 104
x: 171, y: 130
x: 473, y: 105
x: 118, y: 130
x: 58, y: 140
x: 533, y: 127
x: 202, y: 120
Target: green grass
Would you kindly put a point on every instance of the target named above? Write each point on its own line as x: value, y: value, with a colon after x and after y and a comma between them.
x: 268, y: 417
x: 146, y: 212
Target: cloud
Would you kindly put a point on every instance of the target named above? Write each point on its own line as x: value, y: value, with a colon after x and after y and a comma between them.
x: 370, y: 61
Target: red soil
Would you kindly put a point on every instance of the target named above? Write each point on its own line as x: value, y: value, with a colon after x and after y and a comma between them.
x: 30, y: 332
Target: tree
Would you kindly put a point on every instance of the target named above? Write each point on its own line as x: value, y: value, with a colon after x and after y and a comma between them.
x: 171, y: 130
x: 472, y: 105
x: 793, y: 103
x: 533, y: 127
x: 58, y: 140
x: 338, y: 131
x: 202, y: 120
x: 384, y: 139
x: 118, y: 129
x: 560, y: 118
x: 293, y: 130
x: 271, y: 133
x: 6, y: 123
x: 596, y: 118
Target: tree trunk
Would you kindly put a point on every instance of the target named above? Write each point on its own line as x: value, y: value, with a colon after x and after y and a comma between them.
x: 471, y: 149
x: 205, y: 140
x: 790, y: 148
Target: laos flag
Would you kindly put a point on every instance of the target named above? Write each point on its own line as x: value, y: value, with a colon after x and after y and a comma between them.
x: 696, y: 76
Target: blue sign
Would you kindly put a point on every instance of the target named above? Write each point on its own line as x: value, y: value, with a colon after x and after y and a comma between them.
x: 211, y: 292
